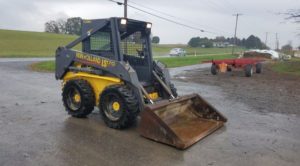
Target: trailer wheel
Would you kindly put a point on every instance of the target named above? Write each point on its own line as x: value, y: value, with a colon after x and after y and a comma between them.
x: 258, y: 67
x: 78, y: 98
x: 213, y: 69
x: 229, y: 69
x: 248, y: 70
x: 118, y: 107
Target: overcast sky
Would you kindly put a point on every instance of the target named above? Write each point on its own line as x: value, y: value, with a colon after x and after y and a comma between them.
x: 259, y: 16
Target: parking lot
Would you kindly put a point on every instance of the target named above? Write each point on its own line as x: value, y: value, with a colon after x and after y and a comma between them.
x: 35, y: 129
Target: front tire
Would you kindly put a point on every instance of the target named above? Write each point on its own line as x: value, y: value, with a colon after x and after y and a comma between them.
x: 118, y: 107
x: 78, y: 98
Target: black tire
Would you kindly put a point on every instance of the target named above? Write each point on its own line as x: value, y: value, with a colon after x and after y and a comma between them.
x: 248, y: 70
x: 85, y: 102
x: 229, y: 69
x: 128, y: 107
x: 213, y: 69
x: 173, y: 90
x: 258, y: 68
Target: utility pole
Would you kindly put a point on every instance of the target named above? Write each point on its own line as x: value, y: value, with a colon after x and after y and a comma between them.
x: 125, y: 16
x: 125, y: 8
x: 277, y: 42
x: 236, y: 23
x: 266, y: 41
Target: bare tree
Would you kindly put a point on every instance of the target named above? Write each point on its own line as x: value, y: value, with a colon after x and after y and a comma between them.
x: 73, y: 26
x: 51, y: 26
x: 293, y: 14
x: 58, y: 26
x: 61, y: 23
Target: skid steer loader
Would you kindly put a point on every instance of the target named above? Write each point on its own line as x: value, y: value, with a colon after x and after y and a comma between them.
x: 116, y: 72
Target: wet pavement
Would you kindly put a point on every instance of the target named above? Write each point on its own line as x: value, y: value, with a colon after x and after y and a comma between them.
x: 25, y: 59
x: 35, y: 130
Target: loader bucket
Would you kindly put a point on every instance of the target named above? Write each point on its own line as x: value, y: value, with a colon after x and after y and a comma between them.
x: 180, y: 122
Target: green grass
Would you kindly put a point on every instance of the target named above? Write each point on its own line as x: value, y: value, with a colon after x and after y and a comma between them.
x: 164, y: 49
x: 31, y: 44
x: 40, y: 44
x: 287, y: 67
x: 191, y: 60
x: 49, y: 66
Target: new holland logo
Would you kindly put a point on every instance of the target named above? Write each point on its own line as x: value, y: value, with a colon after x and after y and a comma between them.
x: 95, y: 60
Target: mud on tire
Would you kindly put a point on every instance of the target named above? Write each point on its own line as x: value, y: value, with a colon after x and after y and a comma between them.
x: 118, y: 106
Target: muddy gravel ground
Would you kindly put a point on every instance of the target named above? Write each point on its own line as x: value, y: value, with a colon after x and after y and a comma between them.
x: 36, y: 131
x: 268, y: 92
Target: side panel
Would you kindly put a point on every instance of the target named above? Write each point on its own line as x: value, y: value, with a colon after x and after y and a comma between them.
x: 66, y: 57
x: 98, y: 83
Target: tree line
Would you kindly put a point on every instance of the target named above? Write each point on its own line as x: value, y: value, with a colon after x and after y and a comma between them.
x: 251, y: 42
x: 73, y: 26
x: 70, y: 26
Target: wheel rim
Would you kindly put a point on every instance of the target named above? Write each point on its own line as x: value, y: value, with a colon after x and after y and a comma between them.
x: 116, y: 106
x: 73, y: 99
x: 113, y: 107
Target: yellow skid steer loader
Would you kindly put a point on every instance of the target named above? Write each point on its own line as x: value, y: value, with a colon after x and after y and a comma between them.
x: 115, y: 71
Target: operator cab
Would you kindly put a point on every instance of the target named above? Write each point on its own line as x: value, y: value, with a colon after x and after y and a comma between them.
x: 122, y: 40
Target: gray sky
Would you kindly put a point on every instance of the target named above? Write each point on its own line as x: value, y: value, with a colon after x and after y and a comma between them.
x: 212, y: 15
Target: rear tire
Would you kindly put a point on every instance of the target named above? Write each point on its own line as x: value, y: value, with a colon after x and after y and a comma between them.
x: 213, y: 69
x: 248, y: 70
x: 258, y: 67
x: 78, y: 98
x: 118, y: 106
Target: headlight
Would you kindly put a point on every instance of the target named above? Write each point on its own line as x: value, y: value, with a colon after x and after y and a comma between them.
x: 149, y: 25
x: 123, y: 21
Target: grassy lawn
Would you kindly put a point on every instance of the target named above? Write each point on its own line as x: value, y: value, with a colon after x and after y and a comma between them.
x: 31, y: 44
x: 164, y: 49
x: 287, y: 67
x: 49, y: 66
x: 191, y: 60
x: 40, y: 44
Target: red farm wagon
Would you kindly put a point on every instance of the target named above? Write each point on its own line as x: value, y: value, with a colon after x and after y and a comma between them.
x: 249, y: 65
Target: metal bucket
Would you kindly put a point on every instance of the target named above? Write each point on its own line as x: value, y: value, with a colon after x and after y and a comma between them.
x: 180, y: 122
